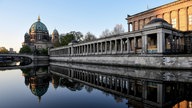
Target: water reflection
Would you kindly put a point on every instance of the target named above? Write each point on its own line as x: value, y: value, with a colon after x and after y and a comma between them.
x: 140, y: 87
x: 149, y: 88
x: 37, y: 79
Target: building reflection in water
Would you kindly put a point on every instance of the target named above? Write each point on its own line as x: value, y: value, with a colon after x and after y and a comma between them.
x: 139, y: 91
x: 37, y: 79
x: 146, y: 90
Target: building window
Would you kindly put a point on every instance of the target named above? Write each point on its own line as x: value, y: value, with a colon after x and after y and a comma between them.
x: 190, y: 19
x: 174, y: 22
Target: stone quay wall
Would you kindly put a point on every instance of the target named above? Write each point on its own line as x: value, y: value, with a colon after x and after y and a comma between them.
x: 135, y: 60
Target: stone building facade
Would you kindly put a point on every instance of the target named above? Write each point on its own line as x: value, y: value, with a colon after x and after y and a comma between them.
x: 38, y: 36
x: 55, y: 37
x: 154, y: 43
x: 177, y: 13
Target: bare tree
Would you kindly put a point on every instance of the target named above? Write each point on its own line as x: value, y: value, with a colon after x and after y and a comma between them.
x: 105, y: 33
x: 89, y: 36
x: 118, y: 29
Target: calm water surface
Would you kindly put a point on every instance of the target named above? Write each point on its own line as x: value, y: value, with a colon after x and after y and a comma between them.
x: 90, y: 86
x: 18, y: 91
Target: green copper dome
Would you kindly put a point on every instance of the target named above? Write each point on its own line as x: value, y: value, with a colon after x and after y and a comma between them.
x: 40, y: 90
x: 38, y: 27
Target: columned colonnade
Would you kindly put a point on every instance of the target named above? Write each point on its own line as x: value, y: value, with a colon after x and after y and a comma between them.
x: 154, y: 41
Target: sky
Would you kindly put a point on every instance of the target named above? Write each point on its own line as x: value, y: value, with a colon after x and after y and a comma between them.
x: 17, y: 16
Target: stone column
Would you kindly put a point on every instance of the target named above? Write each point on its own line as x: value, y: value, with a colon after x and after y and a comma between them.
x: 128, y: 27
x: 161, y: 42
x: 115, y: 46
x: 74, y: 51
x: 146, y: 43
x: 88, y: 48
x: 101, y: 48
x: 135, y: 44
x: 133, y: 26
x: 78, y: 50
x: 110, y: 47
x: 169, y: 17
x: 84, y: 50
x: 105, y: 47
x: 93, y: 48
x: 143, y: 43
x: 121, y: 42
x: 138, y: 23
x: 160, y: 94
x: 128, y: 45
x: 187, y: 20
x: 178, y: 20
x: 68, y: 51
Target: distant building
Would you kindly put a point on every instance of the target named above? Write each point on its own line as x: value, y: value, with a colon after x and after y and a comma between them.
x: 38, y: 36
x: 11, y: 51
x: 55, y: 37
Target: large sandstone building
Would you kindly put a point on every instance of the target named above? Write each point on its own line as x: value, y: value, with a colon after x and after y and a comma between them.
x: 177, y: 13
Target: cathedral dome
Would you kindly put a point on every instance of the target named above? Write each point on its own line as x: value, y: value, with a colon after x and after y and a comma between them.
x: 40, y: 90
x: 38, y: 27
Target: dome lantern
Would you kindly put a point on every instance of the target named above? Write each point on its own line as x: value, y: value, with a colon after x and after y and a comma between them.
x: 39, y: 18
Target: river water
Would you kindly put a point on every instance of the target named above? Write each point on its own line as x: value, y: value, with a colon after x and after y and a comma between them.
x: 63, y: 85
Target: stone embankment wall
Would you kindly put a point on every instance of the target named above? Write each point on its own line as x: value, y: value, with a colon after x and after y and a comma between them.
x: 150, y: 61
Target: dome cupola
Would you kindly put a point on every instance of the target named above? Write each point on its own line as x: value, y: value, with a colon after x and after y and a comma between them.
x: 38, y: 27
x: 157, y: 20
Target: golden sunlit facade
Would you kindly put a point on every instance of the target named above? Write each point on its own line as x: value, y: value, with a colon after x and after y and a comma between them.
x: 177, y: 13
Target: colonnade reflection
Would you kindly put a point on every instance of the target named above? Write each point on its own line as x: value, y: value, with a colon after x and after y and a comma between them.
x: 139, y: 91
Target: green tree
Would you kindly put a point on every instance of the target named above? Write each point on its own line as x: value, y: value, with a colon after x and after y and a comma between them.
x: 89, y: 36
x: 65, y: 40
x: 57, y: 44
x: 25, y: 49
x: 3, y: 50
x: 43, y: 52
